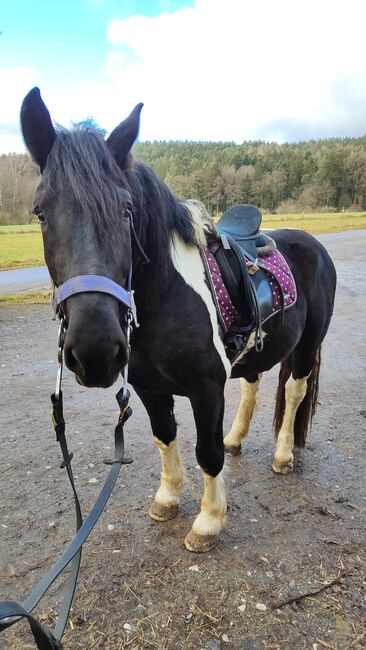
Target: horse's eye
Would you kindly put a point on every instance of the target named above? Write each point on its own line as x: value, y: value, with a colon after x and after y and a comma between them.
x: 128, y: 213
x: 39, y: 214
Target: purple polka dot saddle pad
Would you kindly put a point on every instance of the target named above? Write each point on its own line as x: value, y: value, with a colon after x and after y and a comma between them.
x: 280, y: 279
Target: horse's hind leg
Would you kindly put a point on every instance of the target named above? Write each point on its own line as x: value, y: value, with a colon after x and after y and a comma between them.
x: 208, y: 412
x: 295, y: 391
x: 164, y: 427
x: 240, y: 426
x: 295, y: 404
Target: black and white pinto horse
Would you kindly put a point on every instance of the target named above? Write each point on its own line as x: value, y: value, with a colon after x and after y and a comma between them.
x: 89, y: 190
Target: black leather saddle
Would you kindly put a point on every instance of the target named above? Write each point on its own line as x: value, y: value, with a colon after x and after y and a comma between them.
x: 242, y: 223
x: 250, y: 291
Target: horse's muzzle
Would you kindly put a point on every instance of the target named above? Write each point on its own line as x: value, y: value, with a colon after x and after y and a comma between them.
x: 95, y: 347
x: 97, y: 366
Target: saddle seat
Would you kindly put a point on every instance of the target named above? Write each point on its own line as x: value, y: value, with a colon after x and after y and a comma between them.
x: 242, y: 224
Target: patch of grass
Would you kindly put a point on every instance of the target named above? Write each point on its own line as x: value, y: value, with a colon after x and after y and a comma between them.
x: 20, y: 249
x: 27, y: 298
x: 21, y: 246
x: 22, y: 227
x: 318, y: 222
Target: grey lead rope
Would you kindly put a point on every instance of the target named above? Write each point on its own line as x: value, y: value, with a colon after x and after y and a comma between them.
x: 10, y: 611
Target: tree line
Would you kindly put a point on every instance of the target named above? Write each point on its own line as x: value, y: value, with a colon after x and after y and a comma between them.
x: 320, y: 175
x: 19, y: 177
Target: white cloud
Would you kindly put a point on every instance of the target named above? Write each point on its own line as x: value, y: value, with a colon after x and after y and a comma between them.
x: 223, y: 70
x: 229, y: 69
x: 14, y: 84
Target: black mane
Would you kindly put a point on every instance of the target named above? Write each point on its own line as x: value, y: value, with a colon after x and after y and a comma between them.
x: 81, y: 160
x: 158, y: 214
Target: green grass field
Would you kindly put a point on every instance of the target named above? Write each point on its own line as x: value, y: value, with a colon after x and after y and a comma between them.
x: 23, y: 227
x: 21, y: 246
x: 27, y: 298
x: 317, y: 222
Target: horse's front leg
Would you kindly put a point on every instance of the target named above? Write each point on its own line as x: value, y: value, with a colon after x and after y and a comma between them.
x: 208, y: 409
x: 161, y: 414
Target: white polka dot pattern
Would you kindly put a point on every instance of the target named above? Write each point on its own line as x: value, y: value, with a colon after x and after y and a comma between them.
x: 280, y: 278
x: 277, y: 267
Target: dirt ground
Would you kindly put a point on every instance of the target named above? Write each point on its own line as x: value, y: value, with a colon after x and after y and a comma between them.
x: 139, y: 588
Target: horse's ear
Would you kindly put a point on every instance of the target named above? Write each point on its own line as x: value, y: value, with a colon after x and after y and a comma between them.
x: 124, y: 135
x: 37, y: 128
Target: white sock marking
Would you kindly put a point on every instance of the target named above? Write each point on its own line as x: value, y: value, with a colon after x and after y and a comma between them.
x: 211, y: 518
x: 172, y: 474
x: 295, y: 392
x: 241, y: 423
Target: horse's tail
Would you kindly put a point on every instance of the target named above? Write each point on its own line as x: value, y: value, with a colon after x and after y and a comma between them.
x: 307, y: 407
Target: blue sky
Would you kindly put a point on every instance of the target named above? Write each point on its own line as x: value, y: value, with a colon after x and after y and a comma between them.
x: 66, y: 38
x: 280, y: 70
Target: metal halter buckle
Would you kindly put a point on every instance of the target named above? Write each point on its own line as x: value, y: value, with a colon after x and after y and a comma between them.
x: 60, y: 349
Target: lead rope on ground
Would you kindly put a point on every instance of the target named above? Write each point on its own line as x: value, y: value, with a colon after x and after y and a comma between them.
x: 10, y: 611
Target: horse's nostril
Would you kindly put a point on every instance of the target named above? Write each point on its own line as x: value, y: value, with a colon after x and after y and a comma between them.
x: 120, y: 358
x: 71, y: 360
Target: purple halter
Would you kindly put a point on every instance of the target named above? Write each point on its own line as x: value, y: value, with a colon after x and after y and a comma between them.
x: 89, y: 283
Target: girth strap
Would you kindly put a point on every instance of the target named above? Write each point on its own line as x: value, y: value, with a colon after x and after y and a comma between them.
x: 252, y: 304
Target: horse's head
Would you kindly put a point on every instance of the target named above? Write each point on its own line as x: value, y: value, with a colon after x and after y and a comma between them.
x: 84, y: 206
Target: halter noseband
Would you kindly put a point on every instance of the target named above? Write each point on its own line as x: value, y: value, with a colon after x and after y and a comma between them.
x: 89, y: 283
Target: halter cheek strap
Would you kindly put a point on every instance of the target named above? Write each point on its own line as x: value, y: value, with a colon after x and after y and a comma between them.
x: 90, y: 283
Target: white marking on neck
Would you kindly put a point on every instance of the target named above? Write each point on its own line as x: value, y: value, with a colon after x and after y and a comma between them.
x: 187, y: 261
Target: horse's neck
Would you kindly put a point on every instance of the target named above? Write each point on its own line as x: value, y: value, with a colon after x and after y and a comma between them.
x: 152, y: 276
x: 171, y: 221
x: 151, y: 287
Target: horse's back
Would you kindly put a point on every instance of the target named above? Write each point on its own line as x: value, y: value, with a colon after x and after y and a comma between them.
x: 313, y: 270
x: 307, y: 257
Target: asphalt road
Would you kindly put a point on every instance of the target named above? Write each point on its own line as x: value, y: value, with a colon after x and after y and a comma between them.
x: 21, y: 279
x: 37, y: 277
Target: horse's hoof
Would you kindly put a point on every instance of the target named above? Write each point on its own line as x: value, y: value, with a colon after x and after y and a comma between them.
x: 283, y: 468
x: 200, y: 543
x: 234, y: 450
x: 159, y: 512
